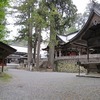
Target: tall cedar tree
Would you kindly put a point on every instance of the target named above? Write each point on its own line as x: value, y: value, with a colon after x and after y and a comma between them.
x: 61, y: 16
x: 26, y: 10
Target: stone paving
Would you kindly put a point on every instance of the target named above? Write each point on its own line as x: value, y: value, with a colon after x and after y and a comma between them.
x: 27, y: 85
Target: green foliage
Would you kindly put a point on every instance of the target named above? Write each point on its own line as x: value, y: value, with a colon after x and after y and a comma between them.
x: 71, y: 30
x: 28, y: 13
x: 62, y: 13
x: 3, y: 5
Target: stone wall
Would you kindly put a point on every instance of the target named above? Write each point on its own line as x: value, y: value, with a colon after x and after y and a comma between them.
x: 69, y: 66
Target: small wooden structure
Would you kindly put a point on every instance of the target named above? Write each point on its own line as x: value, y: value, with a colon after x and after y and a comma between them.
x: 5, y: 50
x: 19, y: 56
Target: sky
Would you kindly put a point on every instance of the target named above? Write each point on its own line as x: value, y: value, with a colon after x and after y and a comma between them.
x: 81, y: 5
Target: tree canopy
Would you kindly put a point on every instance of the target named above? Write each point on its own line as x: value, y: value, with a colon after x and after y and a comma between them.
x: 3, y: 5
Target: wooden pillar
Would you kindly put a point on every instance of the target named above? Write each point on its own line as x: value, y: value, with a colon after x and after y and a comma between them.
x: 59, y: 53
x: 87, y: 54
x: 87, y: 60
x: 81, y: 51
x: 79, y: 65
x: 79, y: 68
x: 2, y: 65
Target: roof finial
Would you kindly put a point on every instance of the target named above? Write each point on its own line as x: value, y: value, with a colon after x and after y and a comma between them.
x: 92, y: 1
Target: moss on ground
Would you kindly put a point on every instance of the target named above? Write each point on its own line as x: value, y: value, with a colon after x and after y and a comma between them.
x: 5, y: 77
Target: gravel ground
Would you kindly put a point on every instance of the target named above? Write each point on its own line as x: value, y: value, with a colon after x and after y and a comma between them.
x: 27, y: 85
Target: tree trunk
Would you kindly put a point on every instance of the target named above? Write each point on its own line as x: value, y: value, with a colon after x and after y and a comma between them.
x: 35, y: 45
x: 29, y: 41
x: 51, y: 57
x: 2, y: 64
x: 30, y: 48
x: 38, y: 49
x: 34, y: 55
x: 51, y: 48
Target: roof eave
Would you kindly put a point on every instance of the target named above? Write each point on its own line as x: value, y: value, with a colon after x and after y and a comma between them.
x: 84, y: 27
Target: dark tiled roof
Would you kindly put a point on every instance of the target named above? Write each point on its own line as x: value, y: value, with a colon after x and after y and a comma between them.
x: 5, y: 50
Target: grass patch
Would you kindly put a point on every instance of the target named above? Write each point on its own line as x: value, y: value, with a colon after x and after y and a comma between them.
x: 5, y: 77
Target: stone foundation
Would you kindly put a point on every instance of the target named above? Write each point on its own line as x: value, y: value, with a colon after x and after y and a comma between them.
x: 69, y: 66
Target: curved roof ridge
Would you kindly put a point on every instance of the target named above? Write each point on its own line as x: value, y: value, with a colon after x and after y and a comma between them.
x: 68, y: 33
x: 93, y: 10
x: 66, y: 38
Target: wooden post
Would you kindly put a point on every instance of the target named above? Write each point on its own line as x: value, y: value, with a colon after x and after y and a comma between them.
x: 87, y: 54
x: 59, y: 53
x: 79, y: 69
x: 2, y: 65
x: 81, y: 51
x: 79, y: 64
x: 87, y: 60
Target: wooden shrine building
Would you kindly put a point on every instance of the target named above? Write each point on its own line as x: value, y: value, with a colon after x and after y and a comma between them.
x: 89, y: 37
x: 5, y: 50
x: 84, y: 42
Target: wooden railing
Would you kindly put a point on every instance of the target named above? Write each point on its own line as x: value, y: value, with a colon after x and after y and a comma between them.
x: 91, y: 56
